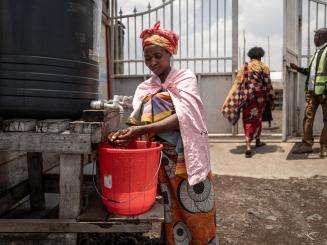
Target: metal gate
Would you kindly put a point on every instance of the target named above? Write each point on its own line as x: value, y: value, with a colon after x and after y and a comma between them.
x: 208, y: 31
x: 291, y: 53
x: 301, y: 19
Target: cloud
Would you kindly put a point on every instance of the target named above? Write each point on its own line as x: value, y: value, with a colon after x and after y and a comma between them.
x: 261, y: 17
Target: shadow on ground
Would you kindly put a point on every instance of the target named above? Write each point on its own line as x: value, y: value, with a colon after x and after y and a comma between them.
x: 311, y: 156
x: 240, y: 149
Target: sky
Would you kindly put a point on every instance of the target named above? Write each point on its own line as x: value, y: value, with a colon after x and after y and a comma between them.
x: 258, y: 19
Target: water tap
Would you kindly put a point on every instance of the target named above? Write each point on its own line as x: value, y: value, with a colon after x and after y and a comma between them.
x: 105, y: 104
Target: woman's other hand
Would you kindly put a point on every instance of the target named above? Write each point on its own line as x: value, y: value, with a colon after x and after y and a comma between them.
x: 130, y: 134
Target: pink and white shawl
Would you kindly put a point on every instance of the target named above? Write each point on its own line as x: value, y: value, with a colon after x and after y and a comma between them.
x: 182, y: 87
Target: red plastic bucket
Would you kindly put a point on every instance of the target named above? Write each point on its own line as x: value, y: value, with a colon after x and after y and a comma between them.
x: 129, y: 176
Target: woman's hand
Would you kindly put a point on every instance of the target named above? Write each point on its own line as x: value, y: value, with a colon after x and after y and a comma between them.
x: 293, y: 66
x: 223, y: 106
x: 130, y: 134
x: 272, y: 106
x: 126, y: 136
x: 114, y: 135
x: 271, y: 102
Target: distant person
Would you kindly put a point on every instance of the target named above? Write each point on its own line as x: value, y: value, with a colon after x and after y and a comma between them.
x: 250, y: 92
x: 316, y: 94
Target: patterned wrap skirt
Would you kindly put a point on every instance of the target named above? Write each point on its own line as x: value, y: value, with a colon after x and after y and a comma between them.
x: 190, y: 212
x: 252, y: 116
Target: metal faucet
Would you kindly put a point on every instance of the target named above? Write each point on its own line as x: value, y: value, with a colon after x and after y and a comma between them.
x: 105, y: 104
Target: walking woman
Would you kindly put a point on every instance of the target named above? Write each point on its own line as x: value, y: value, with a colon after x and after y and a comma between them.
x: 251, y: 91
x: 168, y: 109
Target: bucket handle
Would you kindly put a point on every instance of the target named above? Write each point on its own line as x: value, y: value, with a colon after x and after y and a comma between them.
x: 111, y: 200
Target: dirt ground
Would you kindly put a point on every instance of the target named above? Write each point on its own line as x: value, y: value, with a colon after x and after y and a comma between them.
x: 258, y: 211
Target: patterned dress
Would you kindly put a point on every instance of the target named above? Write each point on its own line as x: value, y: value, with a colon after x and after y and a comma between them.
x: 189, y: 210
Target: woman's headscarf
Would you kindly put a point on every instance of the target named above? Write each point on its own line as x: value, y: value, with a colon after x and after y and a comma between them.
x: 161, y: 37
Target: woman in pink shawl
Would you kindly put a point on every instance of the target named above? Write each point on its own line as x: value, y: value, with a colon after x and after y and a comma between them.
x: 168, y: 109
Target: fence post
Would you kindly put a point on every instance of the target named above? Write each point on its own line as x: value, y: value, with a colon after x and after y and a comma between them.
x: 299, y: 87
x: 234, y: 47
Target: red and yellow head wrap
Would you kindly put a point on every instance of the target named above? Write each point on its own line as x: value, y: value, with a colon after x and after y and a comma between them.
x: 161, y: 37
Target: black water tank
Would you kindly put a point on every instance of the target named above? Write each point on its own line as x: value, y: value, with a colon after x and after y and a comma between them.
x: 48, y: 57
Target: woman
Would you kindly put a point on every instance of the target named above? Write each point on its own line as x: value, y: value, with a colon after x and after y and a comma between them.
x: 250, y: 92
x: 168, y: 109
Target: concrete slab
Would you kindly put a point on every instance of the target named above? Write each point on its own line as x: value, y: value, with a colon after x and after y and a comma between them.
x: 273, y: 161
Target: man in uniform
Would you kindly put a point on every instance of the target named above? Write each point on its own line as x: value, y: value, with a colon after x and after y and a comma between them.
x: 316, y: 94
